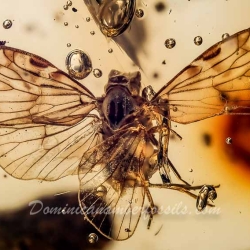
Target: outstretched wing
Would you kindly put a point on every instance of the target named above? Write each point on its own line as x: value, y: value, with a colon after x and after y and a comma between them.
x: 217, y: 82
x: 115, y: 190
x: 45, y: 125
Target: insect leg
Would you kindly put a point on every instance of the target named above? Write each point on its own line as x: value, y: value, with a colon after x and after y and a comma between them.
x: 186, y: 189
x: 164, y: 163
x: 175, y: 133
x: 152, y: 207
x: 170, y: 164
x: 164, y: 169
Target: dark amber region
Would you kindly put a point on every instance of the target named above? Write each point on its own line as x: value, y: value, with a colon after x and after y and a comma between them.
x: 21, y: 230
x: 237, y: 150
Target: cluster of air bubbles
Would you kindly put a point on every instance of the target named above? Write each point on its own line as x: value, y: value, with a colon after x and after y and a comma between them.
x: 92, y: 32
x: 97, y: 73
x: 92, y: 238
x: 198, y: 40
x: 67, y: 5
x: 87, y: 19
x: 78, y: 64
x: 7, y: 24
x: 139, y: 13
x: 170, y: 43
x: 110, y: 50
x: 224, y: 36
x: 229, y: 140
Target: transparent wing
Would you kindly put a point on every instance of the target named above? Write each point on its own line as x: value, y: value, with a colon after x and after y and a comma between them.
x: 45, y: 125
x: 32, y: 90
x: 217, y: 82
x: 115, y: 190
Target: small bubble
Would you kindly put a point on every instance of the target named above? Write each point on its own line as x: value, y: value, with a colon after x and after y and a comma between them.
x: 139, y: 13
x: 170, y: 43
x: 78, y: 64
x: 97, y: 73
x: 87, y: 19
x: 92, y: 32
x: 66, y: 24
x: 69, y: 3
x: 101, y: 191
x: 224, y: 36
x: 68, y: 44
x: 65, y: 7
x: 7, y: 24
x: 198, y: 40
x: 93, y: 238
x: 110, y: 50
x: 77, y: 26
x: 228, y: 109
x: 229, y: 140
x: 190, y: 170
x: 175, y: 109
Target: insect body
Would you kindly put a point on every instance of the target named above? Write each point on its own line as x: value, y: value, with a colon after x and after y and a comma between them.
x: 51, y: 126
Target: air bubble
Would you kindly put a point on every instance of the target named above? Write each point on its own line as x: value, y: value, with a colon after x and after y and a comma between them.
x: 97, y: 73
x: 65, y: 7
x: 224, y: 36
x: 7, y: 24
x: 175, y: 109
x: 228, y: 109
x: 78, y: 64
x: 198, y: 40
x: 170, y: 43
x: 66, y: 24
x: 101, y: 191
x: 92, y: 32
x: 68, y: 44
x: 191, y: 170
x: 110, y: 50
x: 139, y: 13
x: 87, y: 19
x: 77, y: 26
x: 93, y: 238
x: 229, y: 140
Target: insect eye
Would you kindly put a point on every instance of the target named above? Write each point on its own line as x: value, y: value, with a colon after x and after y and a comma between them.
x: 119, y: 79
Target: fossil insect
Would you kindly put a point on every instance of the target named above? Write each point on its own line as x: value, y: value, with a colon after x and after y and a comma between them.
x: 51, y: 126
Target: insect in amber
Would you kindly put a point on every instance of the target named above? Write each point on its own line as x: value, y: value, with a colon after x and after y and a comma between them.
x: 51, y: 126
